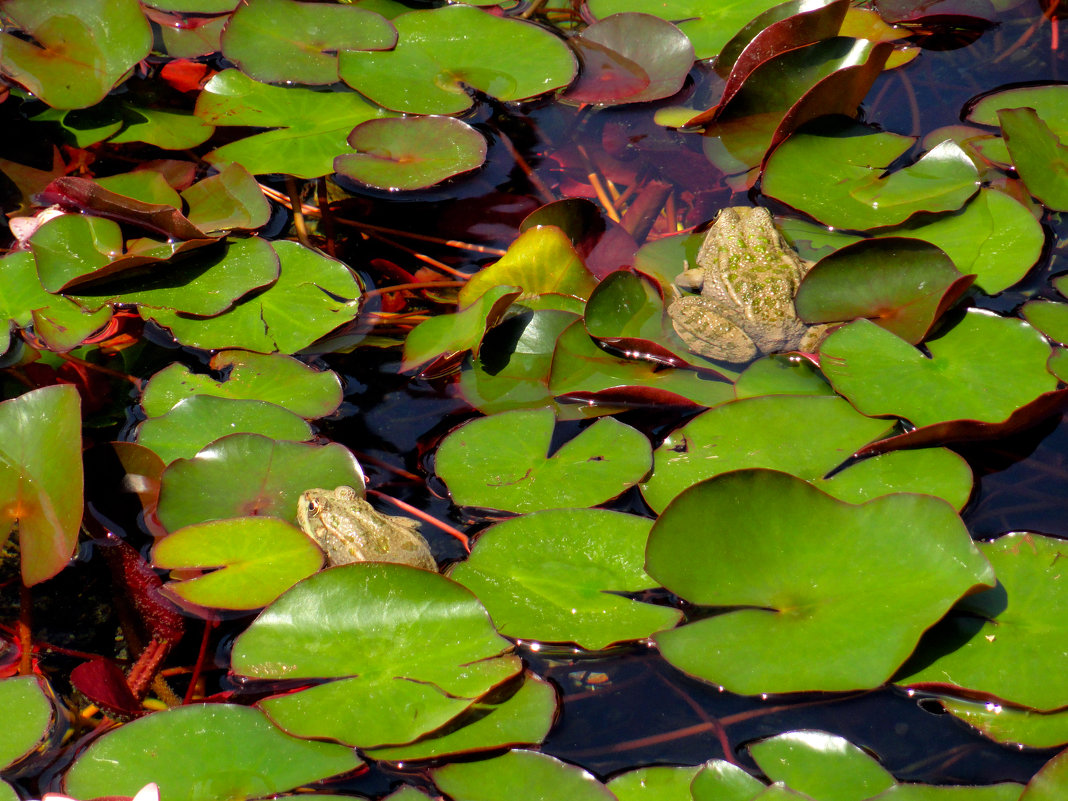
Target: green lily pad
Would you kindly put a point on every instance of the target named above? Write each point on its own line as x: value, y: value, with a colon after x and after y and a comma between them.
x: 1038, y: 155
x: 313, y: 295
x: 1048, y: 316
x: 41, y: 477
x: 485, y: 464
x: 226, y: 201
x: 926, y: 792
x: 749, y: 433
x: 821, y: 765
x: 252, y: 560
x: 406, y: 651
x: 310, y: 126
x: 60, y: 323
x: 226, y: 750
x: 442, y: 51
x: 168, y: 130
x: 836, y: 173
x: 781, y: 374
x: 658, y: 783
x: 246, y: 474
x: 206, y: 282
x: 195, y: 421
x: 1007, y: 642
x: 75, y: 51
x: 540, y: 261
x: 411, y: 152
x: 28, y: 715
x: 708, y: 27
x: 583, y: 371
x: 148, y: 186
x: 983, y: 368
x: 719, y: 780
x: 446, y: 335
x: 277, y: 379
x: 519, y: 774
x: 1049, y: 100
x: 72, y: 246
x: 522, y: 718
x: 1050, y: 783
x: 902, y: 285
x: 821, y: 594
x: 552, y: 577
x: 1010, y: 724
x: 280, y: 41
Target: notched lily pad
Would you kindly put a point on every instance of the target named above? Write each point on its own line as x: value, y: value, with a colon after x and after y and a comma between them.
x: 411, y: 152
x: 820, y: 594
x: 485, y: 464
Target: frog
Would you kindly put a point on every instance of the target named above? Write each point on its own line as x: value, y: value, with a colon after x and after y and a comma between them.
x: 747, y: 276
x: 348, y: 529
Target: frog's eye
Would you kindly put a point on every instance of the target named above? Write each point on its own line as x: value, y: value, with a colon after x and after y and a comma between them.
x: 314, y: 507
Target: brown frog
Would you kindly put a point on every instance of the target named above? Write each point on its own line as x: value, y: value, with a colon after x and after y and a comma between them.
x: 349, y: 529
x: 747, y: 276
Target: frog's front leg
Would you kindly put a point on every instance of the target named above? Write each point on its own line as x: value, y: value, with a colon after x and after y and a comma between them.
x: 708, y: 333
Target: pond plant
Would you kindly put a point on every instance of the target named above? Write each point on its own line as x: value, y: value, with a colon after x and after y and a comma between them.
x: 257, y: 246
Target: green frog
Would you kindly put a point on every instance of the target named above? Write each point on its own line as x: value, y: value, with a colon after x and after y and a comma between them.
x: 349, y: 529
x: 747, y: 276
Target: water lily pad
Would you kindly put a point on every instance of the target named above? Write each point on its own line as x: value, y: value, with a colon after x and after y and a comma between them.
x: 74, y: 51
x: 284, y: 41
x: 226, y: 201
x: 407, y: 651
x: 1009, y: 724
x: 1008, y: 642
x: 41, y: 477
x: 28, y: 716
x: 168, y: 130
x: 446, y: 335
x: 252, y: 560
x: 522, y: 718
x: 442, y: 51
x: 411, y: 152
x: 836, y: 172
x: 485, y: 464
x: 1050, y: 783
x: 195, y: 421
x: 234, y: 750
x: 1038, y: 155
x: 74, y: 245
x: 246, y: 474
x: 781, y: 374
x: 719, y: 780
x: 148, y: 186
x: 1048, y: 316
x: 278, y: 379
x: 311, y: 126
x: 60, y: 323
x: 657, y: 783
x: 205, y: 282
x: 1050, y: 101
x: 821, y: 595
x: 983, y: 368
x: 1006, y: 791
x: 657, y: 55
x: 821, y: 765
x: 519, y: 774
x: 552, y: 577
x: 313, y: 295
x: 902, y: 285
x: 541, y: 260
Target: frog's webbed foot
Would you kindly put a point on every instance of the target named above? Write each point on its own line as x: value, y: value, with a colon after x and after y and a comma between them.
x: 708, y: 333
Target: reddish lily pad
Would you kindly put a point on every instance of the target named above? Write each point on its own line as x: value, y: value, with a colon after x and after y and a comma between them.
x: 442, y: 51
x: 795, y: 569
x: 485, y: 464
x: 246, y: 474
x: 41, y: 477
x: 237, y: 746
x: 553, y: 576
x: 836, y: 173
x: 411, y: 152
x: 408, y: 650
x: 653, y: 50
x: 250, y: 561
x: 902, y: 285
x: 310, y: 126
x: 278, y: 379
x: 279, y: 41
x: 74, y: 51
x: 983, y: 368
x: 1007, y: 643
x: 1038, y: 156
